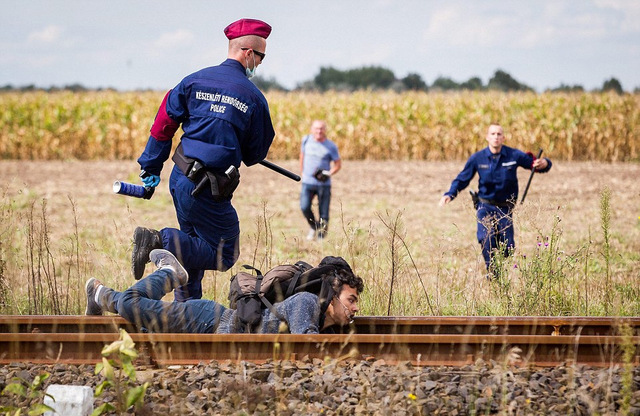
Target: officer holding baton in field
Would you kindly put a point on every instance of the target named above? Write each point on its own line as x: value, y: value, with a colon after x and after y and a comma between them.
x: 496, y: 166
x: 225, y: 120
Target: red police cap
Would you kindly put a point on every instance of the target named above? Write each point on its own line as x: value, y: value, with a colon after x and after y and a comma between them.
x: 245, y: 27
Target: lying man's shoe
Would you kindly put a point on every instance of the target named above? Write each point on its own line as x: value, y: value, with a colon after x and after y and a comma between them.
x: 144, y: 240
x: 91, y: 287
x: 164, y: 259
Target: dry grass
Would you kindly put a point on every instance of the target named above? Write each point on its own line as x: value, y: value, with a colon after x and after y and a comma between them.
x: 436, y: 265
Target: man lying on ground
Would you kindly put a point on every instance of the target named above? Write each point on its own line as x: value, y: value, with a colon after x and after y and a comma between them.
x: 141, y: 304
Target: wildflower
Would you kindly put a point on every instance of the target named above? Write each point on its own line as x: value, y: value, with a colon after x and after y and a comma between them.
x: 412, y: 396
x: 515, y: 266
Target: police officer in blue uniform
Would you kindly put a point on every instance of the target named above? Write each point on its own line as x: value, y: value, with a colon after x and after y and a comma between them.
x: 225, y: 120
x: 496, y: 166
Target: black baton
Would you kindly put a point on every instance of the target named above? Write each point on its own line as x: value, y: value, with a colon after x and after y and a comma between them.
x: 524, y: 195
x: 280, y: 170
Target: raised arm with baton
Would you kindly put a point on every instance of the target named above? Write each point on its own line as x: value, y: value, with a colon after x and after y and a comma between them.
x: 533, y: 170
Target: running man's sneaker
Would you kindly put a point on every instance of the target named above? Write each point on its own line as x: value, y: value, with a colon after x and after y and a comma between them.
x: 311, y: 235
x: 164, y: 259
x: 144, y: 240
x: 91, y: 287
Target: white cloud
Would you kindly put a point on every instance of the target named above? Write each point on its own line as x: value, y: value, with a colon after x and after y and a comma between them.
x: 463, y: 26
x: 175, y: 39
x: 628, y: 6
x: 556, y: 25
x: 49, y: 34
x: 630, y: 10
x: 548, y: 24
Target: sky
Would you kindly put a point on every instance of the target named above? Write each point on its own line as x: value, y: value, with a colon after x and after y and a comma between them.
x: 153, y: 44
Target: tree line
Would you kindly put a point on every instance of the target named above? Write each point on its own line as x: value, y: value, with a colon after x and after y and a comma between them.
x: 379, y: 78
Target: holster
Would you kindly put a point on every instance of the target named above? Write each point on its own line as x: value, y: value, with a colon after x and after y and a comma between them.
x: 222, y: 185
x: 474, y: 199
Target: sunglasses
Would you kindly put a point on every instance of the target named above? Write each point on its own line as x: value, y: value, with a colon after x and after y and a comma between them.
x: 260, y: 54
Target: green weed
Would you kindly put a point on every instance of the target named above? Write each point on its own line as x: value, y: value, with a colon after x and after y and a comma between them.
x: 120, y: 376
x: 30, y: 395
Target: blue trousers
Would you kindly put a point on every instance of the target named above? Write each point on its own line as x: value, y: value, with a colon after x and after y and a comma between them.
x: 495, y: 229
x: 323, y: 192
x: 208, y: 238
x: 141, y: 305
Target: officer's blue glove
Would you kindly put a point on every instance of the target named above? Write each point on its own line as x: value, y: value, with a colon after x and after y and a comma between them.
x: 151, y: 181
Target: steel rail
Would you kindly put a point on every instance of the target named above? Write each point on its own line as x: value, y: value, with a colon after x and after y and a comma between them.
x: 496, y: 325
x: 438, y: 349
x: 541, y: 341
x: 491, y: 325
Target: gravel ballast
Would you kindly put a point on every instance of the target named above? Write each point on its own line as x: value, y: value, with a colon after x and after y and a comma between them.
x: 362, y: 387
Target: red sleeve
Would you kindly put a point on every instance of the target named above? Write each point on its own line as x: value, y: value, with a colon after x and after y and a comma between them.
x: 164, y: 127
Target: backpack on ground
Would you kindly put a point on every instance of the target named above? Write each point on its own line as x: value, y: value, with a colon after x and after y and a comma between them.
x: 251, y: 293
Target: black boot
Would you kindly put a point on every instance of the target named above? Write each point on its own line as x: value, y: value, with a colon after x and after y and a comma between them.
x: 323, y: 228
x: 144, y: 240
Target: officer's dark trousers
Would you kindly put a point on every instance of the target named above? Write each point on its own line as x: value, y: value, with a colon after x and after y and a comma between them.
x: 495, y: 230
x: 208, y: 238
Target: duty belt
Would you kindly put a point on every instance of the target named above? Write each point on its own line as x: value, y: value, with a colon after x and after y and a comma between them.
x: 497, y: 203
x: 221, y: 185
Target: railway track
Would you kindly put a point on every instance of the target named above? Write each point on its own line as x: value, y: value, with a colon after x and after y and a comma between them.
x: 456, y: 341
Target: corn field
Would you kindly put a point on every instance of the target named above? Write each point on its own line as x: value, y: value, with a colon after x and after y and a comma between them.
x: 112, y: 125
